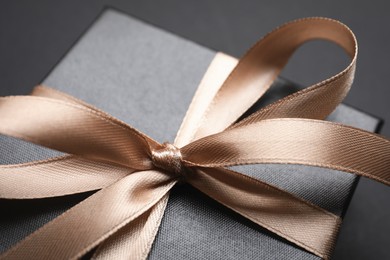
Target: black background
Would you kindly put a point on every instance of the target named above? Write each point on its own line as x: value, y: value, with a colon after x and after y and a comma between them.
x: 35, y: 34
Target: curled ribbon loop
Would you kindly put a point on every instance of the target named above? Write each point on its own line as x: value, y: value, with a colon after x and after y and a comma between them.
x: 130, y: 169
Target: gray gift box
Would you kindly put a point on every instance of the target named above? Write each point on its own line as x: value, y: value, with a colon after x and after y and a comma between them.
x: 122, y: 66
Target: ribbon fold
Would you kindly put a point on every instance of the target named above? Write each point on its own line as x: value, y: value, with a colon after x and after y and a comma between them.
x: 134, y: 173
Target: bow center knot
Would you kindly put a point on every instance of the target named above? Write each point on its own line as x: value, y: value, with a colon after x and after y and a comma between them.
x: 168, y: 157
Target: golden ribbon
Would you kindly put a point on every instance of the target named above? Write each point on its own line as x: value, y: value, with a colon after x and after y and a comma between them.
x: 134, y: 173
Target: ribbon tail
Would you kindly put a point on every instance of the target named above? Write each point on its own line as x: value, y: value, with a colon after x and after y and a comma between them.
x: 290, y: 217
x: 296, y: 141
x: 57, y: 177
x: 89, y: 223
x: 136, y: 238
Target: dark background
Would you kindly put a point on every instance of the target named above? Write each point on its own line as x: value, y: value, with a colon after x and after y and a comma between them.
x: 35, y: 34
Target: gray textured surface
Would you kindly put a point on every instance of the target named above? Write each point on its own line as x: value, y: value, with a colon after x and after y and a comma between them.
x: 106, y: 65
x: 137, y: 73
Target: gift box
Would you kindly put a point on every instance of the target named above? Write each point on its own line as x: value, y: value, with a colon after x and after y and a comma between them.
x: 122, y: 65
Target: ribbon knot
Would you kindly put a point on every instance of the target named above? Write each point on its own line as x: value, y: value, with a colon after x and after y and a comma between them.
x: 168, y: 157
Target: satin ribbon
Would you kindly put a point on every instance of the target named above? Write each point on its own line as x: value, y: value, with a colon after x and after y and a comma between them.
x: 134, y: 173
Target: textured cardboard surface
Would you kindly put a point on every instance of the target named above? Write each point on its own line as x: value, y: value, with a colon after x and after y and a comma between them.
x: 122, y: 65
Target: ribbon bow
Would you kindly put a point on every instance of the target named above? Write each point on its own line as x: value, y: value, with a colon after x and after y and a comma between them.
x: 134, y: 173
